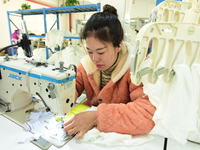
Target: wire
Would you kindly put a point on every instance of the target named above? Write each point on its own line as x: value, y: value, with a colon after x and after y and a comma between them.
x: 8, y: 47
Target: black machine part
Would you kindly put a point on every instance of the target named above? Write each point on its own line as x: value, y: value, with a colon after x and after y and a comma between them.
x: 24, y: 43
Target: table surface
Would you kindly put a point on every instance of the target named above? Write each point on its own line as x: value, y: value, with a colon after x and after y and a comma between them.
x: 11, y: 133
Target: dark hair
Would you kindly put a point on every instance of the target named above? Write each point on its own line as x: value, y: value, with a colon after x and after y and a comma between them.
x: 110, y: 9
x: 104, y: 26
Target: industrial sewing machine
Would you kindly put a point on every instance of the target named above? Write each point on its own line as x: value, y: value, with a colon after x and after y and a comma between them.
x: 21, y: 79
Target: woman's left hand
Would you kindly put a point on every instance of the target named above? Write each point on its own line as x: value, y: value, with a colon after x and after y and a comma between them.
x: 81, y: 123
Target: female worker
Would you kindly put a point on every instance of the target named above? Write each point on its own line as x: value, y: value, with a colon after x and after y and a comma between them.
x: 104, y: 74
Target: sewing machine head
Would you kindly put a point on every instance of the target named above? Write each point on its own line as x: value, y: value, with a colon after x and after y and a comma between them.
x: 21, y: 80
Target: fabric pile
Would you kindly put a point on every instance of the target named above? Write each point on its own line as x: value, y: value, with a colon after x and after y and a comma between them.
x: 70, y: 55
x: 55, y: 37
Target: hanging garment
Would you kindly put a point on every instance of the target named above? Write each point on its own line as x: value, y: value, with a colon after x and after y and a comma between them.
x: 195, y: 135
x: 176, y: 105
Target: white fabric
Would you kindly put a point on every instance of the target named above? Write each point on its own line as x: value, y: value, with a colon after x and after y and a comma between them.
x: 176, y: 105
x: 27, y: 137
x: 55, y: 37
x: 20, y: 52
x: 30, y: 125
x: 69, y: 55
x: 39, y: 54
x: 195, y: 69
x: 33, y: 118
x: 39, y: 105
x: 114, y: 139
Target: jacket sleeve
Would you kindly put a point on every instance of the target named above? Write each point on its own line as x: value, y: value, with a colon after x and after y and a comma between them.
x: 79, y: 81
x: 132, y: 118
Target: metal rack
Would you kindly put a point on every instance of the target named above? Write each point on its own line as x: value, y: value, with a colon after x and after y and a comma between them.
x: 45, y: 11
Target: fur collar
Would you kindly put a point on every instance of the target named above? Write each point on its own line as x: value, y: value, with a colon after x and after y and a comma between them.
x: 121, y: 68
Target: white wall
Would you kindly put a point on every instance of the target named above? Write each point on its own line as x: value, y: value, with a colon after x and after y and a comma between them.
x: 119, y: 6
x: 142, y: 8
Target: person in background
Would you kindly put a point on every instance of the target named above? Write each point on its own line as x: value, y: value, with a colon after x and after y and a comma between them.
x: 15, y: 36
x: 104, y: 75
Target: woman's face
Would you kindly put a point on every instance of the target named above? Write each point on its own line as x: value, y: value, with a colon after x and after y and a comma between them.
x: 103, y: 55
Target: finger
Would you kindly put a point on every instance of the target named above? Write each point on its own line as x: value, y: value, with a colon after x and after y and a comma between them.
x: 68, y: 127
x: 68, y: 121
x: 80, y: 134
x: 72, y: 131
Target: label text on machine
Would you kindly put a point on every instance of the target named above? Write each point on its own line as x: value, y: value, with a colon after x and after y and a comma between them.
x: 15, y: 77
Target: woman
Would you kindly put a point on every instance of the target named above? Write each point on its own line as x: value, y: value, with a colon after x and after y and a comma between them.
x: 104, y: 74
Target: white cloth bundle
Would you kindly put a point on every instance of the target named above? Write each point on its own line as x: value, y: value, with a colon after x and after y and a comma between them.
x: 55, y: 37
x: 115, y: 139
x: 39, y: 54
x: 70, y: 55
x: 176, y: 105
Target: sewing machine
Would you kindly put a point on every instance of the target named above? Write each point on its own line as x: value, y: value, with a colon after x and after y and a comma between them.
x: 21, y: 79
x: 25, y: 82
